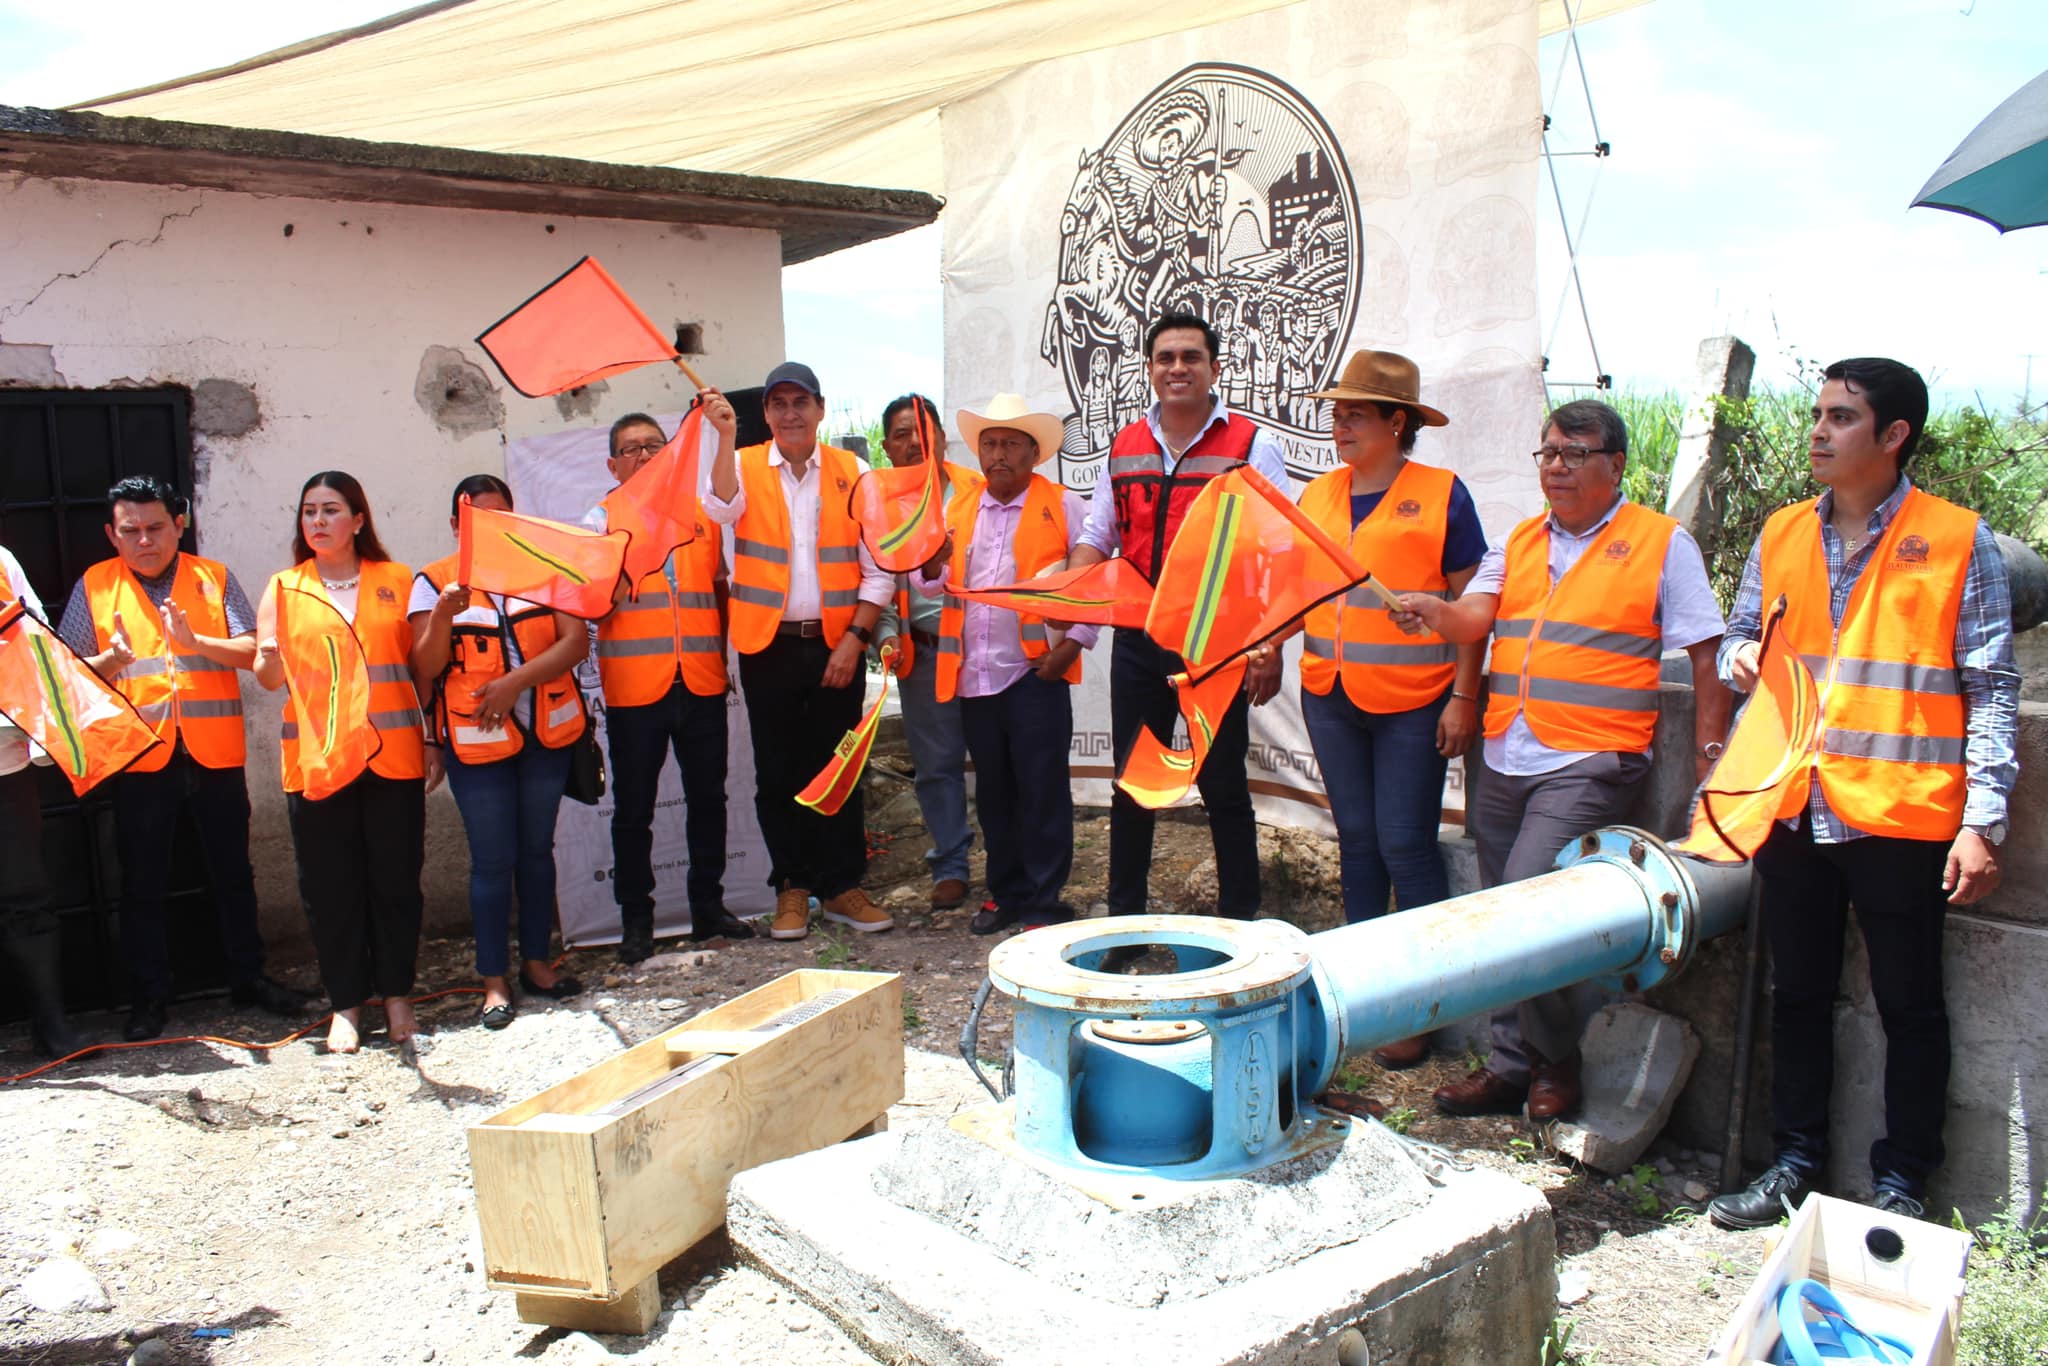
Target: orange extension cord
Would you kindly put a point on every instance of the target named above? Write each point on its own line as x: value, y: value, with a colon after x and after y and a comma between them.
x: 292, y: 1037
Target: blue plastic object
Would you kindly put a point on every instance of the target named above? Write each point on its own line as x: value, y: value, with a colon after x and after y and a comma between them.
x: 1829, y: 1336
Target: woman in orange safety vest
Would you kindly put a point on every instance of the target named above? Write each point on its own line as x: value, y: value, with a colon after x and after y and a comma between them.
x: 503, y: 711
x: 333, y: 627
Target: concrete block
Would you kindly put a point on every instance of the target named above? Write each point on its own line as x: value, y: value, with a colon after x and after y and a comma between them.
x: 1708, y: 995
x: 1636, y: 1061
x: 2022, y: 895
x: 1469, y: 1275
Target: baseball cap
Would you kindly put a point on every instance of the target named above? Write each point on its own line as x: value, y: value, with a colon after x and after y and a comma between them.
x: 793, y: 372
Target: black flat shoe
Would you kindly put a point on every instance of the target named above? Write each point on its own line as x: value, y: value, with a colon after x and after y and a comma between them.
x: 722, y: 924
x: 565, y: 986
x: 145, y: 1021
x: 497, y: 1017
x: 988, y: 920
x: 264, y: 994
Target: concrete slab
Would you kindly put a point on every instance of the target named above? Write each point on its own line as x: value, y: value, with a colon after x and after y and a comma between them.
x: 1458, y: 1271
x: 1636, y: 1062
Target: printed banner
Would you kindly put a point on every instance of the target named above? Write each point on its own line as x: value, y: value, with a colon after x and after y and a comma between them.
x: 562, y: 475
x: 1312, y: 180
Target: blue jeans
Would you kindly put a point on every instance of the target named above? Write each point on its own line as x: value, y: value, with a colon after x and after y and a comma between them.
x: 1385, y: 781
x: 508, y: 808
x: 938, y: 750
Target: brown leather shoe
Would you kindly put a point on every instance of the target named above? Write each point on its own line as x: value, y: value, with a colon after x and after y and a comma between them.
x: 792, y: 914
x: 948, y: 893
x: 853, y: 909
x: 1554, y: 1091
x: 1402, y: 1053
x: 1482, y: 1093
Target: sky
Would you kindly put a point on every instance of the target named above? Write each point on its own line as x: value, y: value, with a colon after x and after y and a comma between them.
x: 1764, y: 154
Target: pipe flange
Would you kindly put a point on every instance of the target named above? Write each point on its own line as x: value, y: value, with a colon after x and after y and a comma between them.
x: 1237, y: 963
x: 1670, y: 896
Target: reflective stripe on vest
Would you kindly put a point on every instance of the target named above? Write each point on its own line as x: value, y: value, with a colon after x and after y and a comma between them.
x: 1355, y: 639
x: 1040, y: 540
x: 383, y: 629
x: 1579, y: 660
x: 661, y: 633
x: 181, y: 693
x: 761, y: 542
x: 1890, y: 756
x: 1150, y: 503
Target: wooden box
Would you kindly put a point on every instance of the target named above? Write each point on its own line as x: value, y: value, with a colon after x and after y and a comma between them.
x: 586, y: 1190
x: 1915, y: 1297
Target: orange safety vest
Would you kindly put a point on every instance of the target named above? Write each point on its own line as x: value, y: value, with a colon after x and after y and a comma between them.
x: 761, y: 541
x: 1402, y: 542
x: 661, y: 632
x: 1041, y: 540
x: 1581, y: 659
x: 476, y: 655
x: 385, y: 631
x: 1890, y: 750
x: 181, y: 693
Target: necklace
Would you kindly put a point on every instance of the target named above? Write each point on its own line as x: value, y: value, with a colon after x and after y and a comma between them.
x: 341, y: 585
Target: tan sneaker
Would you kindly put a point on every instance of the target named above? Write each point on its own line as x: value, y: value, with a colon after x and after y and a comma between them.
x: 792, y: 914
x: 853, y: 908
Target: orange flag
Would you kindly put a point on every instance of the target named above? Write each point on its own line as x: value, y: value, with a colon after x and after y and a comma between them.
x: 1157, y: 776
x: 328, y: 677
x: 827, y: 792
x: 658, y: 506
x: 563, y: 567
x: 52, y: 696
x: 1106, y: 593
x: 1762, y: 775
x: 581, y: 328
x: 1243, y: 567
x: 901, y: 510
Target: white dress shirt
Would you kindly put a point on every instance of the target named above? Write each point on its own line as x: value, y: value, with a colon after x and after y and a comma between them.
x: 802, y: 498
x: 1265, y: 456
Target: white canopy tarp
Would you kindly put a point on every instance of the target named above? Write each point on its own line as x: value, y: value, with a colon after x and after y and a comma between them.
x: 847, y: 91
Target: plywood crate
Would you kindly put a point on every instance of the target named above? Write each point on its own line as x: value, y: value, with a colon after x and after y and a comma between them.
x: 586, y: 1190
x: 1916, y: 1297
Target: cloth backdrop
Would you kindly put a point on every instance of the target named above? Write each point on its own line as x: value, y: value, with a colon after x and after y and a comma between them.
x: 562, y: 476
x: 1314, y: 179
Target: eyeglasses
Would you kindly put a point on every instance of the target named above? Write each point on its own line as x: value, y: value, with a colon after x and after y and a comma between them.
x: 1571, y: 457
x: 638, y: 448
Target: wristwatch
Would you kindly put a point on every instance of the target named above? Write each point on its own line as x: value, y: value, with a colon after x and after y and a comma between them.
x: 1712, y: 750
x: 1992, y: 834
x: 865, y: 636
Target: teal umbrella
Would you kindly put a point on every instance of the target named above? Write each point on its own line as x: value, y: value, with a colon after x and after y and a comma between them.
x: 2000, y: 172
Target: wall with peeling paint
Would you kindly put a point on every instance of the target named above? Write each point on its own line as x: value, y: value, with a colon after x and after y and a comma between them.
x: 324, y: 335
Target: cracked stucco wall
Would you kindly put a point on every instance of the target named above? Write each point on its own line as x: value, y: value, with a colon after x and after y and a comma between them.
x: 303, y: 329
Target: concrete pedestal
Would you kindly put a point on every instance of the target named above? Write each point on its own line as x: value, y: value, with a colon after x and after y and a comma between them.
x: 939, y: 1246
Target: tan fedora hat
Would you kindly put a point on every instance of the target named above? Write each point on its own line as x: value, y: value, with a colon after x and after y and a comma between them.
x: 1384, y: 377
x: 1010, y: 410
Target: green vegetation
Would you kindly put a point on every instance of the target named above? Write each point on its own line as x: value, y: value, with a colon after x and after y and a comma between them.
x: 1996, y: 465
x: 1557, y: 1347
x: 1639, y: 1187
x: 1401, y: 1120
x: 2005, y: 1302
x: 833, y: 950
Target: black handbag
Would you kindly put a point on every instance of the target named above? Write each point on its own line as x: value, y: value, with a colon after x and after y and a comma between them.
x: 586, y: 765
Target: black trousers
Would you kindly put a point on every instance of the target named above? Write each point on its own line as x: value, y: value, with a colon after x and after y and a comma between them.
x: 1019, y: 740
x: 24, y: 886
x: 1140, y: 696
x: 359, y: 855
x: 1895, y: 885
x: 640, y: 740
x: 796, y: 721
x: 146, y: 809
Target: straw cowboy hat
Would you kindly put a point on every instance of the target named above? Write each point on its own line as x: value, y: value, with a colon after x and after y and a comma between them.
x: 1009, y: 410
x: 1384, y: 377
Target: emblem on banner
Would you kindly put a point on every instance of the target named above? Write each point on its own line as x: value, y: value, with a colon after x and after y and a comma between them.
x: 1222, y: 193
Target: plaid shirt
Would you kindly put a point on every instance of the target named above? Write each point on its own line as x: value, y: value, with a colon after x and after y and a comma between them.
x: 1983, y: 650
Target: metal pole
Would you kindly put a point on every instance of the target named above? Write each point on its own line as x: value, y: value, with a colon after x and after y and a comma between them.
x: 1745, y: 1040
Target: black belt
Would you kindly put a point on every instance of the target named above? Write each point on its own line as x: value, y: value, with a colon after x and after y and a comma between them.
x: 928, y: 639
x: 800, y: 628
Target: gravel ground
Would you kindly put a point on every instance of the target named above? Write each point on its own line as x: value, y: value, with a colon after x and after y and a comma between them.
x: 320, y: 1207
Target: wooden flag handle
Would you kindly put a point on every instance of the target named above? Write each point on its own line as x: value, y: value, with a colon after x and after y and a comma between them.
x: 1383, y: 593
x: 689, y: 374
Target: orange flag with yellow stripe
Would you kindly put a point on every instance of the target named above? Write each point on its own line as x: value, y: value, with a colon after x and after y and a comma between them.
x: 1244, y: 566
x: 658, y: 506
x: 1106, y: 593
x: 1155, y: 775
x: 827, y: 792
x: 579, y: 329
x: 563, y: 567
x: 328, y: 676
x: 902, y: 509
x: 51, y: 695
x: 1761, y: 777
